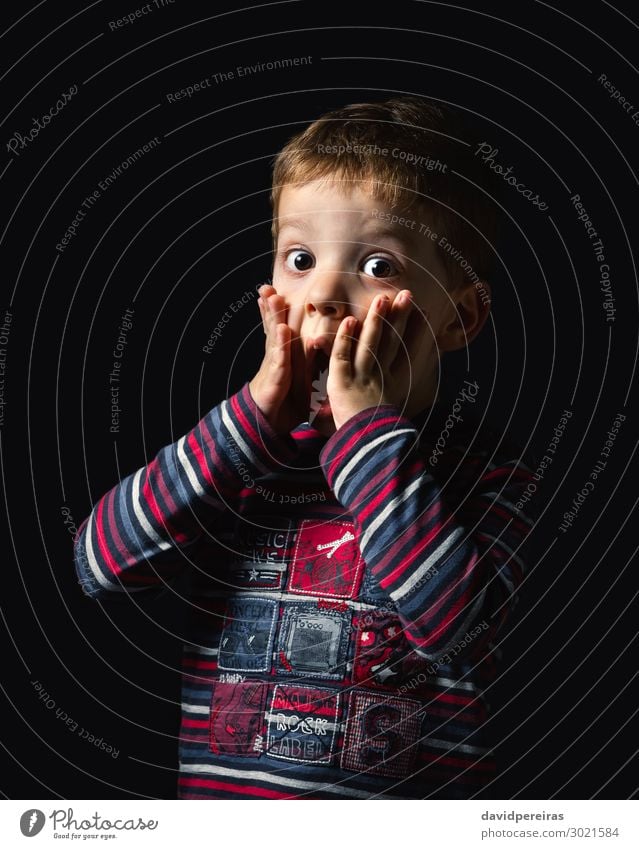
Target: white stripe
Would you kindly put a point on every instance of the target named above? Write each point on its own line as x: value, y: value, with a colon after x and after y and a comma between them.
x: 413, y: 579
x: 461, y: 747
x: 191, y: 708
x: 190, y: 473
x: 395, y: 502
x: 95, y: 568
x: 508, y: 504
x: 139, y: 514
x: 112, y: 586
x: 458, y: 685
x: 363, y: 451
x: 272, y: 778
x: 239, y: 440
x: 200, y: 649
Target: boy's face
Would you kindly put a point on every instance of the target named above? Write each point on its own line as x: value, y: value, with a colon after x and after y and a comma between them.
x: 337, y: 250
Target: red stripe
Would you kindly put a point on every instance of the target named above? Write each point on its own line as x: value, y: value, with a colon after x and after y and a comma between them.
x: 146, y: 491
x: 199, y: 664
x: 195, y: 723
x: 259, y: 792
x: 198, y: 456
x: 422, y: 543
x: 217, y: 462
x: 102, y: 543
x: 178, y: 536
x: 359, y: 436
x: 247, y: 428
x: 399, y: 480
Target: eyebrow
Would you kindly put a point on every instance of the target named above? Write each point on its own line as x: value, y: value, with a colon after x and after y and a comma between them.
x: 296, y: 223
x: 379, y: 232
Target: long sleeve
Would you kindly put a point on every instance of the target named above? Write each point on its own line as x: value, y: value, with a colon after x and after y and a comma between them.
x: 450, y: 571
x: 142, y: 532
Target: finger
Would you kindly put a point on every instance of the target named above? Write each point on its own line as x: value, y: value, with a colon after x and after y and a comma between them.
x: 277, y: 307
x: 279, y: 357
x: 395, y: 326
x: 416, y: 338
x: 260, y: 304
x: 366, y: 356
x: 340, y: 361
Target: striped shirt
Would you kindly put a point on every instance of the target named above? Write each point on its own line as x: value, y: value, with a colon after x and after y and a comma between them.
x: 345, y: 596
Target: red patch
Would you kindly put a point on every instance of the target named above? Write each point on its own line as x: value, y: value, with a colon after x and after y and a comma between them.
x: 383, y: 656
x: 237, y: 718
x: 340, y: 606
x: 303, y: 724
x: 381, y: 650
x: 327, y: 561
x: 382, y: 734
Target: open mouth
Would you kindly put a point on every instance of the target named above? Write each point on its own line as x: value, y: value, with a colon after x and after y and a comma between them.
x: 317, y: 378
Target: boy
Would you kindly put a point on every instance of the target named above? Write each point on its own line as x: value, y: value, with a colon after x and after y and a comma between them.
x: 352, y: 540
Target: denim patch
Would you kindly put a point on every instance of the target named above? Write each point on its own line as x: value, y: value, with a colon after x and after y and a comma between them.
x: 237, y: 718
x: 327, y: 561
x: 302, y: 724
x: 382, y: 734
x: 246, y: 644
x: 261, y: 550
x: 313, y: 641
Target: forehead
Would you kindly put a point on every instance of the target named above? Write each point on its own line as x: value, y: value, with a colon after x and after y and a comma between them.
x: 327, y: 209
x: 323, y: 200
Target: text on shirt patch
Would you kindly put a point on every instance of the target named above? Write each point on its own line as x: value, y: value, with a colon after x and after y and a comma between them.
x: 327, y: 561
x: 302, y: 723
x: 262, y: 553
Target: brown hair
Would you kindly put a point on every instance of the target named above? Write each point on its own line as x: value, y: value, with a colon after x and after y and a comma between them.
x: 395, y: 146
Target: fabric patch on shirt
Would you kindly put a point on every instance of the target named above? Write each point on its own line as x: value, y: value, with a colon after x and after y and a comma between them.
x: 302, y: 724
x: 382, y: 734
x: 313, y: 641
x: 327, y: 561
x: 246, y: 644
x: 261, y: 551
x: 381, y: 650
x: 237, y: 718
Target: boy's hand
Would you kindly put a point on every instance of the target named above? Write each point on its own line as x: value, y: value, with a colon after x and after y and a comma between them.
x: 273, y: 388
x: 380, y: 369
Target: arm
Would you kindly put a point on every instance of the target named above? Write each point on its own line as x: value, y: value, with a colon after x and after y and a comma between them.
x: 446, y: 570
x: 144, y: 530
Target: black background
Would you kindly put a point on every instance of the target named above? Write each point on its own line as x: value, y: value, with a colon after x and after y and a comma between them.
x: 186, y: 230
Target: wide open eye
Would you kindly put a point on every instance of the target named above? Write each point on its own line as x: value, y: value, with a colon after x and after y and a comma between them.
x: 380, y: 267
x: 299, y: 260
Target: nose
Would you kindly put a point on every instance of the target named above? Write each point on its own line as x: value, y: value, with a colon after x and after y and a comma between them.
x: 328, y: 294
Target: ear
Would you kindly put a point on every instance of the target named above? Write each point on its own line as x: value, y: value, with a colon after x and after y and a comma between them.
x: 466, y: 316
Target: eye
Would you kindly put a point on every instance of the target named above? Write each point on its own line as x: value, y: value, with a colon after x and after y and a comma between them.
x: 379, y: 267
x: 299, y: 260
